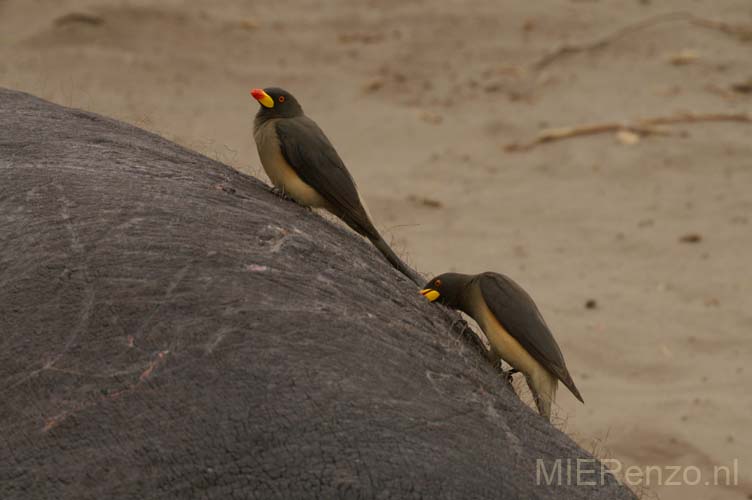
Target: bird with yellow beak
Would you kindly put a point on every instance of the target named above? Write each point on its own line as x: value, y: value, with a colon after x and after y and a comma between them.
x: 513, y: 325
x: 302, y: 163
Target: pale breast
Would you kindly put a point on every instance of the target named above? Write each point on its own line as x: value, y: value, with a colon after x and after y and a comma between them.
x: 503, y: 344
x: 279, y: 171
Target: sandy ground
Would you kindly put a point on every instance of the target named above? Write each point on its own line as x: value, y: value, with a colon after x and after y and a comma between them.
x: 421, y: 99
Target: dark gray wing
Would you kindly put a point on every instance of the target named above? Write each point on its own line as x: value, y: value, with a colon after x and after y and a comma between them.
x: 518, y: 314
x: 314, y: 159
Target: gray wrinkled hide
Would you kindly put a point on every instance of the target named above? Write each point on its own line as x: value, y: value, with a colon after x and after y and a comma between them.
x: 170, y: 329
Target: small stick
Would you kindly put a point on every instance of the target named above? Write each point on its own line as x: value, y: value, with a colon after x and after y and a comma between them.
x: 602, y: 42
x: 698, y: 118
x: 743, y: 33
x: 644, y: 126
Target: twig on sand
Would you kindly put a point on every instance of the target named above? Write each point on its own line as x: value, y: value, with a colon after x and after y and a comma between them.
x: 567, y: 49
x: 643, y: 127
x: 742, y: 32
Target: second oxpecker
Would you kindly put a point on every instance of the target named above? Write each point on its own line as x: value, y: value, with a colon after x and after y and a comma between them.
x: 513, y: 325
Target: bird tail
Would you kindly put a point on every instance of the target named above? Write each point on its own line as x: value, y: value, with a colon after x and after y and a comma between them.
x: 400, y: 266
x: 359, y: 221
x: 569, y: 383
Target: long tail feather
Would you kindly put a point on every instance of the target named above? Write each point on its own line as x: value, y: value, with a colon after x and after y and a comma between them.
x: 386, y: 250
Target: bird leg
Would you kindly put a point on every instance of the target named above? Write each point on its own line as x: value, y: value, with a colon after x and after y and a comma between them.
x: 460, y: 326
x: 467, y: 334
x: 508, y: 374
x: 281, y: 193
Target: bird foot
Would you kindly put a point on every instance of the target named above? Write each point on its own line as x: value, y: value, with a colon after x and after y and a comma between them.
x: 281, y: 193
x: 460, y: 324
x: 508, y: 375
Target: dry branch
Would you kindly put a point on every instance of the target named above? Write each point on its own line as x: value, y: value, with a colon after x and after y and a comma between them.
x: 742, y: 32
x: 644, y: 127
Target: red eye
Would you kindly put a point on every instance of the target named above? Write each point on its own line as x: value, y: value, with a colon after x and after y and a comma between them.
x: 437, y: 283
x: 281, y: 98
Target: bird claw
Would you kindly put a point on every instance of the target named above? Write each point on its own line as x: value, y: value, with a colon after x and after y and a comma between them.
x: 508, y: 374
x: 460, y: 323
x: 281, y: 193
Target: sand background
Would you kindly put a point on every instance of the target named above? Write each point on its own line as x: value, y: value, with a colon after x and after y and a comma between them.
x: 421, y: 99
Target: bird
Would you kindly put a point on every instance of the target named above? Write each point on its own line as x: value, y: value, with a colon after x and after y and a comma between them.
x: 514, y: 326
x: 302, y: 163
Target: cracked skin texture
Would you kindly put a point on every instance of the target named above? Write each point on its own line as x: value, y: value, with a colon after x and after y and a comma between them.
x: 170, y: 329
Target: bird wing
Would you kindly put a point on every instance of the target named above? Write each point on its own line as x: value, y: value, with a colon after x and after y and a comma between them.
x: 310, y: 154
x: 518, y: 314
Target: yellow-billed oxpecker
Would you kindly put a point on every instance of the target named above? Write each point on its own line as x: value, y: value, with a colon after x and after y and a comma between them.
x: 303, y: 164
x: 514, y: 328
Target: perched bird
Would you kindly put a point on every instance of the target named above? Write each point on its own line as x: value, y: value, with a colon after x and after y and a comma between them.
x: 513, y: 325
x: 303, y: 164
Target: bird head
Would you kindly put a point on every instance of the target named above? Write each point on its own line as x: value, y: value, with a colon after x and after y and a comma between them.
x: 277, y: 103
x: 446, y: 289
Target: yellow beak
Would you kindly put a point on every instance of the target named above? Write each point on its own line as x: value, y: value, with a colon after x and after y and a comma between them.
x: 430, y: 294
x: 263, y: 98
